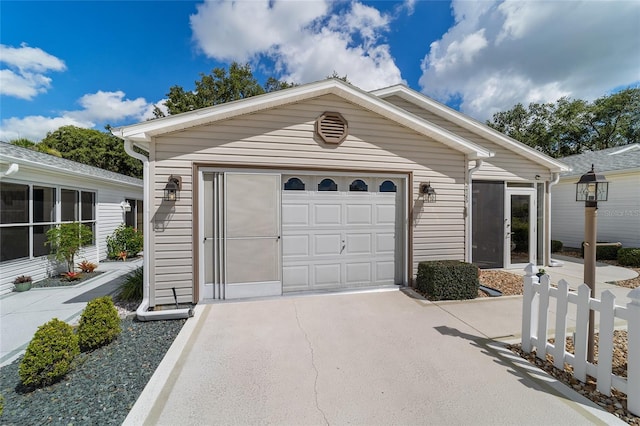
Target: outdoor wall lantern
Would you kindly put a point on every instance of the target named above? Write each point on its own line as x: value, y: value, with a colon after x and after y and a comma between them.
x: 126, y: 207
x: 427, y: 191
x: 172, y: 189
x: 591, y: 188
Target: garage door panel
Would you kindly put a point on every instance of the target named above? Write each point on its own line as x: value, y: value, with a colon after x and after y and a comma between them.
x: 295, y: 246
x: 385, y: 214
x: 358, y: 273
x: 359, y: 214
x: 296, y: 277
x: 327, y: 244
x: 328, y: 214
x: 295, y: 215
x: 358, y: 244
x: 328, y: 275
x: 385, y: 272
x: 385, y: 243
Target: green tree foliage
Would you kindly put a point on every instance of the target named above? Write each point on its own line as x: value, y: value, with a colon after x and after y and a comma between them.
x: 26, y: 143
x: 66, y: 240
x: 219, y: 87
x: 92, y: 147
x: 570, y: 126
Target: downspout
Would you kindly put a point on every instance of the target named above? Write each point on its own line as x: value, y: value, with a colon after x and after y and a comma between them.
x: 142, y: 312
x: 547, y: 231
x: 469, y: 207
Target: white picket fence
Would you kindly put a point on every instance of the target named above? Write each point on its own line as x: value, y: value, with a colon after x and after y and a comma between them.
x: 535, y: 332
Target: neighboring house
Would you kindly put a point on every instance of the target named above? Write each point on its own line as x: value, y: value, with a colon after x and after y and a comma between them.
x: 326, y: 187
x: 619, y: 216
x: 39, y: 191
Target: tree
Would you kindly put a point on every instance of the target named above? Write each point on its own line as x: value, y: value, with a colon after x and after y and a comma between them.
x: 219, y: 87
x: 92, y: 147
x: 26, y: 143
x: 569, y: 126
x: 66, y: 240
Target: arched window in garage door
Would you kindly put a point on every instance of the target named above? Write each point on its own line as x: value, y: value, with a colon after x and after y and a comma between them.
x: 327, y: 185
x: 294, y: 184
x: 358, y: 185
x: 388, y: 186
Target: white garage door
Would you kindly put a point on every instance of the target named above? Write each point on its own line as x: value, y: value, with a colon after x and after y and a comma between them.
x: 341, y: 232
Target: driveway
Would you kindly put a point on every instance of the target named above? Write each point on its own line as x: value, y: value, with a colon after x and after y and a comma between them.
x: 364, y: 358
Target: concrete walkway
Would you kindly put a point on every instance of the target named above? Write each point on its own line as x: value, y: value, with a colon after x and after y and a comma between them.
x: 22, y: 313
x: 362, y: 358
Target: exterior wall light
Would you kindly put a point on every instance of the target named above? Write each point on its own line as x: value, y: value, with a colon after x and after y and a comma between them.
x: 591, y: 188
x: 427, y: 191
x: 172, y: 189
x: 126, y: 207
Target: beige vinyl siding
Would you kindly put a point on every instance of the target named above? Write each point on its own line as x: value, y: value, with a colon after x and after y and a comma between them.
x: 618, y: 217
x: 506, y: 165
x: 283, y: 139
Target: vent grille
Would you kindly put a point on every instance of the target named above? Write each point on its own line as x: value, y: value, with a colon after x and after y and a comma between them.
x: 331, y: 127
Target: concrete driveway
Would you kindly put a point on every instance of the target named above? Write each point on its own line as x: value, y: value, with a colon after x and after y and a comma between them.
x: 376, y: 358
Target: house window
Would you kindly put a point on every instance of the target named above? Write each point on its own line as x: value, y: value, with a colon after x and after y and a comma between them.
x: 135, y: 216
x: 27, y: 212
x: 388, y: 186
x: 327, y: 185
x: 358, y: 185
x: 294, y: 184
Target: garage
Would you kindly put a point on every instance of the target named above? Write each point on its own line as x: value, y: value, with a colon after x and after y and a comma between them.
x: 341, y: 232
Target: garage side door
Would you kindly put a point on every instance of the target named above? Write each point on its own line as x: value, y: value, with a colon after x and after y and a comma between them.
x: 340, y: 232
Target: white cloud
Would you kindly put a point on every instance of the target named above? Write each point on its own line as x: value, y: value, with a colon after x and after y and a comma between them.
x: 307, y: 40
x: 97, y: 108
x: 24, y: 75
x: 503, y: 52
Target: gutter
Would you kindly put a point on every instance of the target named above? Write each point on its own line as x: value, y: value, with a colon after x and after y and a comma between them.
x: 143, y: 312
x: 552, y: 262
x: 468, y: 236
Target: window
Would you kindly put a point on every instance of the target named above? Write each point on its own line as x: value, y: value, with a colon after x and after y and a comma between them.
x: 327, y: 185
x: 135, y: 216
x: 294, y: 184
x: 28, y: 212
x: 388, y: 186
x: 359, y: 186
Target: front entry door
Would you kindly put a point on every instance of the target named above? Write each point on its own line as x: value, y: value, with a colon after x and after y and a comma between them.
x: 520, y: 228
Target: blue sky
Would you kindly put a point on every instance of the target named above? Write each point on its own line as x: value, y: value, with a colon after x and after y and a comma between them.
x: 91, y: 63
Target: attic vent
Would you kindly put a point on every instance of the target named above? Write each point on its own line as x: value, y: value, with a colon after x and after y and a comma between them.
x: 332, y: 127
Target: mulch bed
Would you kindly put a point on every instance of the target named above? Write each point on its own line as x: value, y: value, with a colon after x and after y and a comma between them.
x: 61, y: 281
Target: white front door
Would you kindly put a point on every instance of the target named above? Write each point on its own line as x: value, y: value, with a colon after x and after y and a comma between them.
x: 520, y: 227
x: 341, y: 232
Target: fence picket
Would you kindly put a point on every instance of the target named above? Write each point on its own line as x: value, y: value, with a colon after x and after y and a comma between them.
x: 561, y: 324
x: 605, y: 342
x: 582, y: 329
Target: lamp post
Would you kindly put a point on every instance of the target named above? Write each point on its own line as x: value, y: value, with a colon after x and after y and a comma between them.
x: 591, y: 188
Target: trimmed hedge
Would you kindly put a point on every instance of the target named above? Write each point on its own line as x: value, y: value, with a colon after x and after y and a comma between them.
x: 629, y: 257
x: 99, y: 324
x: 556, y: 246
x: 603, y: 252
x: 50, y: 354
x: 448, y: 280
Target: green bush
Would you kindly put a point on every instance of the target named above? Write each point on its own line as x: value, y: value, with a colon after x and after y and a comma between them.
x: 99, y: 324
x: 125, y: 239
x: 629, y: 257
x: 604, y: 252
x: 556, y: 246
x: 131, y: 288
x: 49, y: 355
x: 448, y: 280
x: 1, y: 404
x: 66, y: 240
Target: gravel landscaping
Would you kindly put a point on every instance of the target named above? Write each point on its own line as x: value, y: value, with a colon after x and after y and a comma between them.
x: 104, y: 384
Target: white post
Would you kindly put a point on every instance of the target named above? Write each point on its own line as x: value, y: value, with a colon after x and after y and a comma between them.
x: 528, y: 313
x: 633, y: 366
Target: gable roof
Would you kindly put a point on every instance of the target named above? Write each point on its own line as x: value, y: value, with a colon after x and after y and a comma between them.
x: 619, y: 158
x: 15, y: 154
x: 471, y: 125
x: 142, y: 133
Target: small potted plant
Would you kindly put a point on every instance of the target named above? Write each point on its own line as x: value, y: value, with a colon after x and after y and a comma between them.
x: 541, y: 272
x: 22, y: 283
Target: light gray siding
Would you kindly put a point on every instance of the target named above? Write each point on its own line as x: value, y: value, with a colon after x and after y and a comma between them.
x: 618, y: 218
x: 283, y: 138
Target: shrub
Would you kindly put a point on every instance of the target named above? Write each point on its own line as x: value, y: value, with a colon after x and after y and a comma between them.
x: 22, y: 279
x: 604, y: 252
x: 556, y: 246
x: 86, y: 266
x: 629, y: 257
x: 99, y: 324
x: 67, y: 239
x: 131, y: 288
x: 1, y: 404
x: 448, y: 280
x: 49, y: 355
x: 124, y: 239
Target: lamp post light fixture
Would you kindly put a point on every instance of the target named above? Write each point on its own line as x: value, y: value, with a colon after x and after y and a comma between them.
x: 591, y: 188
x: 172, y: 189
